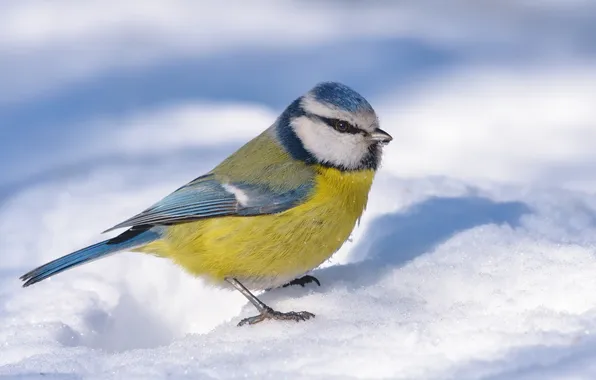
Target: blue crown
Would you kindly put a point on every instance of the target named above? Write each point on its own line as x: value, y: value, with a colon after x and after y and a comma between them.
x: 341, y: 96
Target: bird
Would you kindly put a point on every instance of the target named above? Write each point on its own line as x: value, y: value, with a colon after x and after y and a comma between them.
x: 275, y: 209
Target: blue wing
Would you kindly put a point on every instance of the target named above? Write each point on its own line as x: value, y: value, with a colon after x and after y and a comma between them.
x: 207, y: 197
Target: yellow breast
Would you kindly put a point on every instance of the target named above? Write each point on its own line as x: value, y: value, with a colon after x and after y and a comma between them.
x: 271, y: 249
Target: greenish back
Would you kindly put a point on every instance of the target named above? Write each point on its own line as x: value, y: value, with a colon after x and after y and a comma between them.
x: 263, y: 161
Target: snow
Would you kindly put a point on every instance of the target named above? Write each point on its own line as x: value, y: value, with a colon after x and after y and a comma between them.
x: 475, y: 258
x: 456, y: 282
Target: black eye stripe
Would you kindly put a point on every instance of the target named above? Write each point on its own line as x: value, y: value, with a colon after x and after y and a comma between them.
x: 341, y: 126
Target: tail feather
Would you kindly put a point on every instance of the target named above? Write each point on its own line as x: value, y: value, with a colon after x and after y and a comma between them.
x: 132, y: 238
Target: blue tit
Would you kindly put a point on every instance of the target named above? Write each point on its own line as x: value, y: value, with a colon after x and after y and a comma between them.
x: 272, y: 211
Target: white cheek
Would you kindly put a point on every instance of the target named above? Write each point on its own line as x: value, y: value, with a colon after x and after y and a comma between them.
x: 328, y: 145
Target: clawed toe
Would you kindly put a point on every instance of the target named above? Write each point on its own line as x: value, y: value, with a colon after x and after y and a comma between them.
x: 302, y: 281
x: 278, y: 316
x: 266, y: 311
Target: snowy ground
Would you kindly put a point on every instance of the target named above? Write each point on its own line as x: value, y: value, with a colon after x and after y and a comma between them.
x: 476, y: 256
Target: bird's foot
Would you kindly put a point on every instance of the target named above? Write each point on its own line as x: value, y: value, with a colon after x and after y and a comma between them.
x: 303, y: 281
x: 269, y: 313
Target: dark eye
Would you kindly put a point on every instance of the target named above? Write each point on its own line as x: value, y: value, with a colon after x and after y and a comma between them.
x: 341, y: 126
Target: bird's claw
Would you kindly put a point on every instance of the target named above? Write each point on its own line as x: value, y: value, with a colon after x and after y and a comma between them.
x: 303, y: 281
x: 269, y: 313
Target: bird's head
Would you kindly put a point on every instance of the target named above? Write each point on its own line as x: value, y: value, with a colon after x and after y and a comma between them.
x: 334, y: 126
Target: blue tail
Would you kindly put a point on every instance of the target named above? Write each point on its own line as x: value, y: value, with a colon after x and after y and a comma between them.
x: 135, y: 237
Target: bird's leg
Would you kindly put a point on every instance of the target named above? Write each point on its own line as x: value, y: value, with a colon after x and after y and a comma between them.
x: 303, y: 281
x: 265, y: 312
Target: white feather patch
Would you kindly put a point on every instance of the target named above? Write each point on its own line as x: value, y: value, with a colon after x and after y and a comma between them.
x: 240, y: 195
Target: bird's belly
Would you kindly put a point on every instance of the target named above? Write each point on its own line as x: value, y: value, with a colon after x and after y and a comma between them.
x: 269, y: 250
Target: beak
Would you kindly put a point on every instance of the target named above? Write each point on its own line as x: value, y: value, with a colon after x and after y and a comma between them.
x: 379, y: 135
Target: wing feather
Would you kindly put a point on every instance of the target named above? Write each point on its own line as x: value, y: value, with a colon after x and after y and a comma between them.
x: 208, y: 197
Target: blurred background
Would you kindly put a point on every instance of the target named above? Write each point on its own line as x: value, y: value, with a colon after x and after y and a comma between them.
x: 108, y: 105
x: 496, y: 90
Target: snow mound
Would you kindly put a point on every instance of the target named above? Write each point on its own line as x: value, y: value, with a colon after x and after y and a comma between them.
x: 455, y: 282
